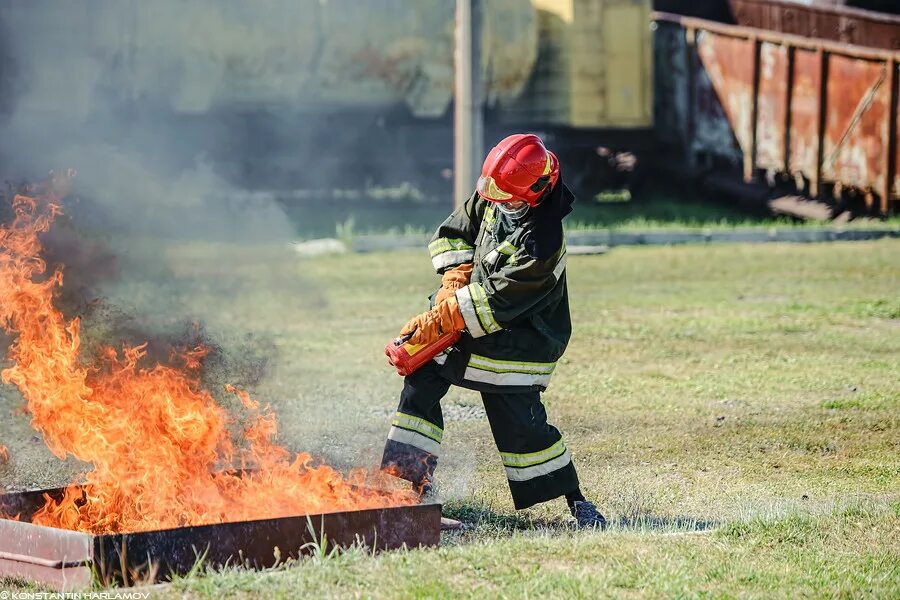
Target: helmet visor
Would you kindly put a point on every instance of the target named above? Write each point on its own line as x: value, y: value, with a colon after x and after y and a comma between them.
x: 487, y: 188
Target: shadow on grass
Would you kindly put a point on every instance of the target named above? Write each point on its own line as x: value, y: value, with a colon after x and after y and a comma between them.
x: 660, y: 523
x: 482, y: 521
x: 483, y: 517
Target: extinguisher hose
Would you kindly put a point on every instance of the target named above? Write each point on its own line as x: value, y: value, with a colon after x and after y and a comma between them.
x: 404, y: 338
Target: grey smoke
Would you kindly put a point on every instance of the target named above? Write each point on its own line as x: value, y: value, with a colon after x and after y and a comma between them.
x: 147, y: 181
x: 171, y: 110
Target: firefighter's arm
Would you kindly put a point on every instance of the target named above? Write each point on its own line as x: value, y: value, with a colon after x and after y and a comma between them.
x: 453, y: 279
x: 453, y: 243
x: 511, y: 293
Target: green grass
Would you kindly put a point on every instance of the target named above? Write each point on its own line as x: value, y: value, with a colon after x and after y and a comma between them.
x: 314, y: 218
x: 828, y: 555
x: 733, y: 409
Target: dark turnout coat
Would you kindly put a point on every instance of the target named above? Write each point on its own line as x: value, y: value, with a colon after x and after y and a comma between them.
x: 516, y: 310
x: 516, y: 307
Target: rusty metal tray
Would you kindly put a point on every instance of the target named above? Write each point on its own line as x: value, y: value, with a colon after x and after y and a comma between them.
x: 69, y: 560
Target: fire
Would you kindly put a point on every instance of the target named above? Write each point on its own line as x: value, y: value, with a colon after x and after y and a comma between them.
x: 158, y: 442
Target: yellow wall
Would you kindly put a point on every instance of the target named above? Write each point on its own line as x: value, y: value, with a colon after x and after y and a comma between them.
x: 594, y: 65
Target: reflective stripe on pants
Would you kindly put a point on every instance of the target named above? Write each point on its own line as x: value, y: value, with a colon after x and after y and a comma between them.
x: 538, y: 466
x: 417, y: 428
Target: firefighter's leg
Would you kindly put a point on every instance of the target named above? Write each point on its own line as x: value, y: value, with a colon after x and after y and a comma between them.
x: 538, y: 465
x: 414, y: 440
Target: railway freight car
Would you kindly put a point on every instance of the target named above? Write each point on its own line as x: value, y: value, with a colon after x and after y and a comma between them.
x: 291, y: 94
x: 792, y: 106
x: 860, y: 22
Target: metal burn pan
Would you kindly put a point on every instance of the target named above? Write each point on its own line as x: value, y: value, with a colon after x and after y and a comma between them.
x: 67, y: 560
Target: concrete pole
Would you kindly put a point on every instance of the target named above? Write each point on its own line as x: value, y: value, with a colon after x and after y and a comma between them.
x: 468, y: 121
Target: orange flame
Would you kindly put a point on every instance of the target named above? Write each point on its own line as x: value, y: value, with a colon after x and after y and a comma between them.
x: 158, y: 442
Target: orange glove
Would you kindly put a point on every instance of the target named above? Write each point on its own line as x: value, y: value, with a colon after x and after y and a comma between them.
x: 428, y: 327
x: 452, y: 280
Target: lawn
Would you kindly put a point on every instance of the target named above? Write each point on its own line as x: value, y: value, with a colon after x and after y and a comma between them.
x: 734, y: 410
x: 655, y: 209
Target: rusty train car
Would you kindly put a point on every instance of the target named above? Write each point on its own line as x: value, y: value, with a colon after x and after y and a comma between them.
x: 838, y: 21
x: 785, y: 95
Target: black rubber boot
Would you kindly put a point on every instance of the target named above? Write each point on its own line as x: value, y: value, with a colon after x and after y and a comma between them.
x: 587, y: 516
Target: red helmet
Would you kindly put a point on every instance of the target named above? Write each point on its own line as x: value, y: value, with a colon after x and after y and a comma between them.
x: 518, y: 168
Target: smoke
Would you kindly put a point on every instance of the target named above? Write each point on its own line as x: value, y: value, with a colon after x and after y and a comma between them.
x: 180, y: 118
x: 155, y: 222
x: 160, y: 91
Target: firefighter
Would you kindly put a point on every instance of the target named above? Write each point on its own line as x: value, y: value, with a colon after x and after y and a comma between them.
x: 502, y: 261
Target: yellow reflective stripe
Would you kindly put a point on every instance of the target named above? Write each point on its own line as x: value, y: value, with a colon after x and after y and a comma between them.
x: 414, y: 438
x: 418, y: 425
x: 545, y: 468
x: 480, y: 375
x: 467, y: 310
x: 474, y: 289
x: 500, y: 370
x: 484, y: 309
x: 488, y: 311
x: 507, y: 249
x: 452, y: 258
x: 489, y: 214
x: 447, y: 244
x: 511, y: 365
x: 547, y: 166
x: 529, y: 459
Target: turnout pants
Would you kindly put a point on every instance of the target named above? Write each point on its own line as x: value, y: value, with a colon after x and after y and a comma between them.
x: 538, y: 465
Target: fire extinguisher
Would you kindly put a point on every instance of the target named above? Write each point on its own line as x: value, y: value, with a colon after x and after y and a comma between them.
x: 406, y: 357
